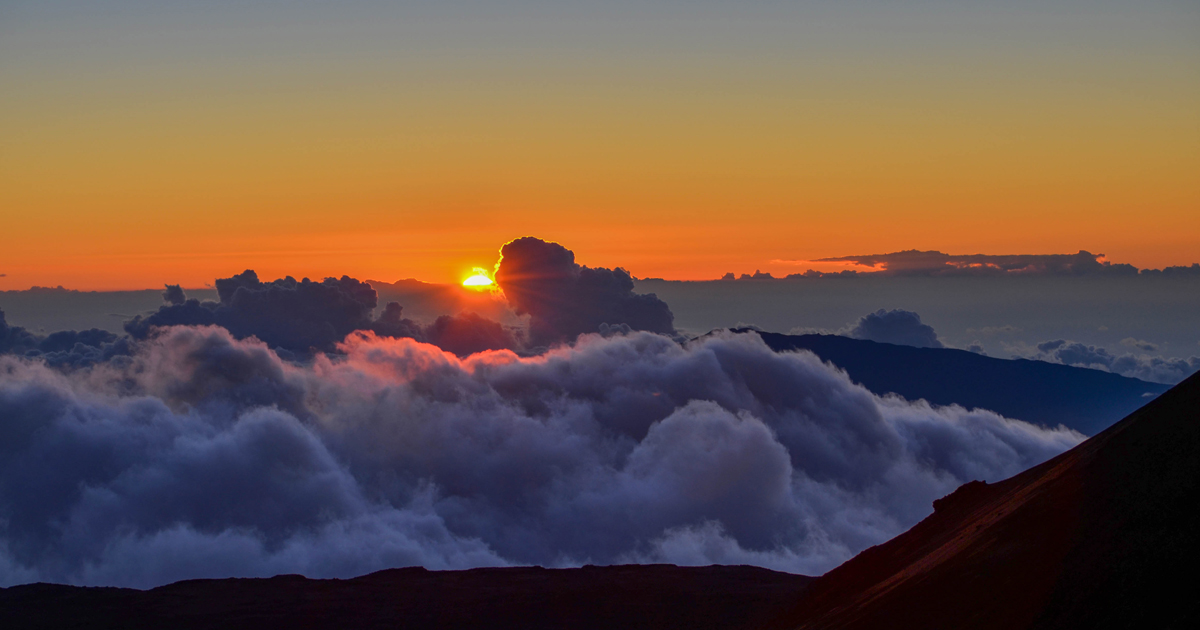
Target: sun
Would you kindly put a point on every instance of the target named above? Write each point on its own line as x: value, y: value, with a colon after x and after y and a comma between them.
x: 479, y: 279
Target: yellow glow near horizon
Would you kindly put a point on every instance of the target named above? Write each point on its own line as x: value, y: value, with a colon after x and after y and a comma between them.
x: 479, y: 279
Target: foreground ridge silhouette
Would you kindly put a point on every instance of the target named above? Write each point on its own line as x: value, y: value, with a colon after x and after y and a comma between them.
x: 652, y: 597
x: 1102, y: 536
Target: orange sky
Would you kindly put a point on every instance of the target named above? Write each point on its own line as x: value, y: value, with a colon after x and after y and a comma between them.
x: 168, y: 158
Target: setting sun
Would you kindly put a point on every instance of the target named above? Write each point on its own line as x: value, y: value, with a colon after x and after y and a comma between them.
x: 479, y: 279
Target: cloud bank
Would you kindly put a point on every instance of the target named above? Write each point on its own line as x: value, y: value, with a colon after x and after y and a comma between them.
x: 1145, y: 367
x: 302, y: 316
x: 204, y: 455
x: 914, y: 262
x: 65, y: 348
x: 565, y: 299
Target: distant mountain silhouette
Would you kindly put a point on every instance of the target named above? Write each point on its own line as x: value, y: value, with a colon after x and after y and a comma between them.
x: 1035, y: 391
x: 653, y: 597
x: 1102, y: 536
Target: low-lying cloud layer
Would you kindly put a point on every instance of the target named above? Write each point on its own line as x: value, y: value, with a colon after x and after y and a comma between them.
x: 62, y: 348
x: 202, y: 455
x: 933, y: 263
x: 1145, y: 367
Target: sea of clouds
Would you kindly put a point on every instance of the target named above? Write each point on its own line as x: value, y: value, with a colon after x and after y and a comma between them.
x: 198, y: 454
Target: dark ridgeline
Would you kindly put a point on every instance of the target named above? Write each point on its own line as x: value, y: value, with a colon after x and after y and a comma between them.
x: 653, y: 597
x: 1102, y: 536
x: 1049, y: 394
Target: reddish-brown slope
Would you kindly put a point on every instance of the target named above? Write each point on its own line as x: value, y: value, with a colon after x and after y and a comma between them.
x: 1104, y: 535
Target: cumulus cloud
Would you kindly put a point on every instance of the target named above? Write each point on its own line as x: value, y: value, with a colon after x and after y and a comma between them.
x: 895, y: 326
x: 65, y: 348
x: 203, y: 455
x: 286, y: 313
x: 300, y: 316
x: 914, y: 262
x: 565, y: 299
x: 1147, y: 368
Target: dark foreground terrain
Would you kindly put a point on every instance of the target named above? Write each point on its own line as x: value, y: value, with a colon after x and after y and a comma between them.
x: 1106, y: 535
x: 630, y: 596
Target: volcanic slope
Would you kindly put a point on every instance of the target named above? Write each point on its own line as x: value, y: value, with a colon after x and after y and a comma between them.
x: 1049, y: 394
x: 653, y: 597
x: 1102, y: 536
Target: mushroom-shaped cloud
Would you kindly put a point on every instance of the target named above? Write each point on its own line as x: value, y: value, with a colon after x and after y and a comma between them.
x: 565, y: 299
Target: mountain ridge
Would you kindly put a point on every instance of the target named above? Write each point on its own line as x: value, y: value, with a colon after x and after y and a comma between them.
x: 1095, y: 537
x: 1044, y: 393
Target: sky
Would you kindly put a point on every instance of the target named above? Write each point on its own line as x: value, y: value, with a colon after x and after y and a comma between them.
x: 151, y: 142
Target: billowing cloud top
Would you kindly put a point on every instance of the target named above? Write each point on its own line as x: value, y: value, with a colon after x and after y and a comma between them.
x: 565, y: 299
x: 202, y: 455
x: 895, y: 326
x: 300, y: 316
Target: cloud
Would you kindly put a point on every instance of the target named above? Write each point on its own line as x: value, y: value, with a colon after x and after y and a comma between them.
x: 65, y: 348
x: 296, y: 315
x: 565, y: 299
x: 469, y: 333
x: 1139, y: 344
x: 202, y: 455
x: 933, y: 263
x: 15, y: 337
x: 174, y: 295
x: 895, y: 326
x: 299, y: 316
x: 1180, y: 271
x: 1147, y: 368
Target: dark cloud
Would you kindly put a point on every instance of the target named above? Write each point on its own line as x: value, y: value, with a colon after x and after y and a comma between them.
x: 468, y: 333
x: 895, y: 326
x: 977, y: 348
x: 392, y: 323
x: 299, y: 316
x: 564, y: 299
x: 933, y: 263
x: 174, y: 294
x: 1191, y: 271
x: 1147, y: 368
x: 65, y: 348
x: 15, y: 338
x: 285, y: 313
x: 207, y: 456
x: 812, y: 273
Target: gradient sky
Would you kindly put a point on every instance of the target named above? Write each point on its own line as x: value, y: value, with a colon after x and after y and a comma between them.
x: 148, y: 142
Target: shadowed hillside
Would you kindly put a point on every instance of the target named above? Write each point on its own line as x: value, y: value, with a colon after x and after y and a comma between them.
x: 1035, y: 391
x: 631, y: 596
x: 1100, y: 536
